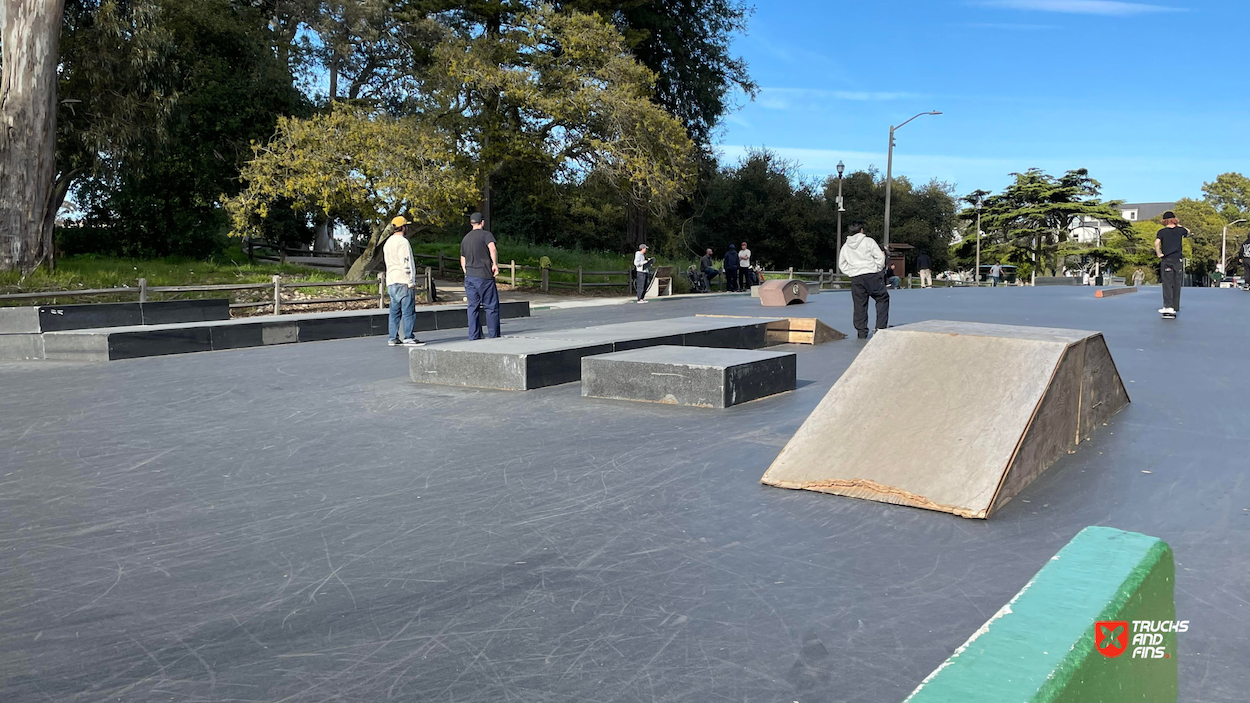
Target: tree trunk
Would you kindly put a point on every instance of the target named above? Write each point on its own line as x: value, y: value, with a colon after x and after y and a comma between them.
x: 29, y: 51
x: 361, y: 265
x: 485, y: 204
x: 635, y: 226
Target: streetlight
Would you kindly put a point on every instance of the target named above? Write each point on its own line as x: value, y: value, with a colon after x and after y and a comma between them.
x: 1224, y: 246
x: 889, y: 175
x: 976, y: 273
x: 836, y: 267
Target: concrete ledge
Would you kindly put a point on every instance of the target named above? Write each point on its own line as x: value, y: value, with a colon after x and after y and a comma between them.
x: 695, y: 376
x: 58, y: 318
x: 21, y: 347
x: 1040, y: 647
x: 504, y: 363
x: 1108, y: 292
x: 1057, y: 281
x: 135, y: 341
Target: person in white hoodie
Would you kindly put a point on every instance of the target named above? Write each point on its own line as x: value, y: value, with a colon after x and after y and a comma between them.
x: 401, y: 283
x: 862, y: 259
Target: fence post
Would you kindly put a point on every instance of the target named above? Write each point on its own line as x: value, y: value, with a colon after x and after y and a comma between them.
x: 545, y: 284
x: 277, y: 294
x: 514, y: 273
x: 381, y: 290
x: 820, y: 278
x: 790, y: 272
x: 579, y: 280
x: 143, y: 290
x: 430, y: 294
x: 347, y: 264
x: 440, y: 263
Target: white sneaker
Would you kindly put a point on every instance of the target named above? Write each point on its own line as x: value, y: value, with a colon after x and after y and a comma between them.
x: 1163, y: 311
x: 412, y: 342
x: 643, y: 300
x: 392, y: 342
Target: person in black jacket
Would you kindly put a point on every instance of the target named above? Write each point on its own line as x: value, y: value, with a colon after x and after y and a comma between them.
x: 731, y: 268
x: 925, y: 264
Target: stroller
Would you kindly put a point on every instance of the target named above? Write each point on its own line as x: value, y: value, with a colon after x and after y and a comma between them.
x: 698, y: 280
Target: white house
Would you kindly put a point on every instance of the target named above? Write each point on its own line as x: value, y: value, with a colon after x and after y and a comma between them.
x: 1089, y: 230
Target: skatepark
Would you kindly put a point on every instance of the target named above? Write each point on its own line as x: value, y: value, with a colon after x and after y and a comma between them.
x: 304, y: 522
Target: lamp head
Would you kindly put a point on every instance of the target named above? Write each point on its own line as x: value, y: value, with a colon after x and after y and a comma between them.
x: 841, y: 167
x: 934, y: 112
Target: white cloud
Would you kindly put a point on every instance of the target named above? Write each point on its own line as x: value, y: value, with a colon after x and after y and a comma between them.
x: 1112, y: 8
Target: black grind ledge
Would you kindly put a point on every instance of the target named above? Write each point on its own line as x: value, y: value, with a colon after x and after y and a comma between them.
x: 130, y: 342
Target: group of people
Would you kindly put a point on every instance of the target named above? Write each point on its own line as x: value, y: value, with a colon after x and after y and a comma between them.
x: 479, y: 260
x: 739, y: 272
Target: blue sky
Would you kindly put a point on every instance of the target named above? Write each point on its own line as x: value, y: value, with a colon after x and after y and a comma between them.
x: 1151, y: 97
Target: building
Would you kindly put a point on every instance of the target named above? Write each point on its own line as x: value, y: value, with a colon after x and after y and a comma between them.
x: 1088, y: 230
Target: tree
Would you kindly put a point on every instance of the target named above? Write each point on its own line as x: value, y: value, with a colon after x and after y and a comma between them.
x: 30, y: 33
x: 557, y: 89
x: 161, y: 196
x: 356, y: 163
x: 1229, y: 194
x: 1031, y: 217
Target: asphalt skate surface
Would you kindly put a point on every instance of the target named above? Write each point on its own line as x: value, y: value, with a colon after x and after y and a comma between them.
x: 303, y: 523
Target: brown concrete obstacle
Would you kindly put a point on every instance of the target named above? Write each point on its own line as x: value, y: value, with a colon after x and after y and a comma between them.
x: 776, y: 294
x: 797, y: 330
x: 1108, y: 292
x: 953, y: 416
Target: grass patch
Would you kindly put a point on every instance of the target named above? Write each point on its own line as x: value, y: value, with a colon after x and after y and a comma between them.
x: 89, y: 271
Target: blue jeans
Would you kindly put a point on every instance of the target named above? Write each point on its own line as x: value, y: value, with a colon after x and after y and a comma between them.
x: 482, y: 292
x: 403, y: 302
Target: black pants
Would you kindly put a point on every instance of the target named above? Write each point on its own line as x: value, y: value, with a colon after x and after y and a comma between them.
x: 1170, y: 276
x: 643, y: 281
x: 1245, y: 272
x: 731, y: 279
x: 863, y: 287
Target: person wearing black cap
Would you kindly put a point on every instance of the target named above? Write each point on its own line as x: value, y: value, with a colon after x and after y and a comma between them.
x: 479, y: 259
x: 1169, y: 248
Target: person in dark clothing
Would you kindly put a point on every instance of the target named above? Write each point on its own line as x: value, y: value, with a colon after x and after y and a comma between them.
x: 479, y: 259
x: 1245, y: 263
x: 705, y: 265
x: 1169, y: 248
x: 925, y: 265
x: 731, y: 268
x: 864, y: 262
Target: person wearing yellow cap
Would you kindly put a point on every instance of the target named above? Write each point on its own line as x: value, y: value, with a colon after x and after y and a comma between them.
x: 401, y: 283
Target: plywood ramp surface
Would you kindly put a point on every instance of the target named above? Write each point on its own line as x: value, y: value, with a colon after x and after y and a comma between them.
x: 950, y: 416
x: 796, y: 330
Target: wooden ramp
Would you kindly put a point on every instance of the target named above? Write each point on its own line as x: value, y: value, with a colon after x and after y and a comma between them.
x: 796, y: 330
x: 1108, y: 292
x: 953, y: 416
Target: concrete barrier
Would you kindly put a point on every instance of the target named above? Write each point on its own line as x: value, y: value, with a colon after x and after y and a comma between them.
x: 1108, y: 292
x: 696, y: 376
x: 1049, y: 643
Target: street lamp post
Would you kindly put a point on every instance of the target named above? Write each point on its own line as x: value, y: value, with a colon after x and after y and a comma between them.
x: 1224, y: 247
x: 976, y: 273
x: 889, y: 174
x: 836, y: 266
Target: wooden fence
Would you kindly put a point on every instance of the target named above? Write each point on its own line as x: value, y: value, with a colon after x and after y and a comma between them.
x: 336, y: 261
x: 274, y: 301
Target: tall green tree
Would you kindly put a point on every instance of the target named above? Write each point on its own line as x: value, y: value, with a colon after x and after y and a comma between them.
x: 923, y: 217
x: 166, y: 197
x: 1029, y: 222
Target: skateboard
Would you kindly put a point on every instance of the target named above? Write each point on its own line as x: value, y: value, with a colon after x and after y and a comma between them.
x: 1169, y: 315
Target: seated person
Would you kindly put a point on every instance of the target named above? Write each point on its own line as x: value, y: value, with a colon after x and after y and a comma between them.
x: 705, y: 265
x: 891, y: 277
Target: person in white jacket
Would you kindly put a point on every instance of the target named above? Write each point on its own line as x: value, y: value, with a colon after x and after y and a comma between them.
x: 864, y: 262
x: 401, y: 283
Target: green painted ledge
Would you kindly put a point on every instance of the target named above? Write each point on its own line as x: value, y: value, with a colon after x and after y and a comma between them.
x: 1039, y: 648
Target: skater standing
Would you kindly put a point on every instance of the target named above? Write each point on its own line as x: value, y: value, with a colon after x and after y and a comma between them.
x: 479, y: 259
x: 1245, y: 263
x: 925, y: 264
x: 642, y: 272
x: 1138, y: 277
x: 401, y: 284
x: 1169, y: 249
x: 864, y: 262
x: 731, y: 268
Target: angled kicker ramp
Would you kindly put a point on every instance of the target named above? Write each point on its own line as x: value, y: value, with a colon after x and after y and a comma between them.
x: 953, y: 416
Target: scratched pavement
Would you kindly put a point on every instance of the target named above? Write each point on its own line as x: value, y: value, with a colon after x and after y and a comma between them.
x: 301, y: 523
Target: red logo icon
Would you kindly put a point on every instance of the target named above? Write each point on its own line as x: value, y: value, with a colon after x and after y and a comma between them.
x: 1111, y: 637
